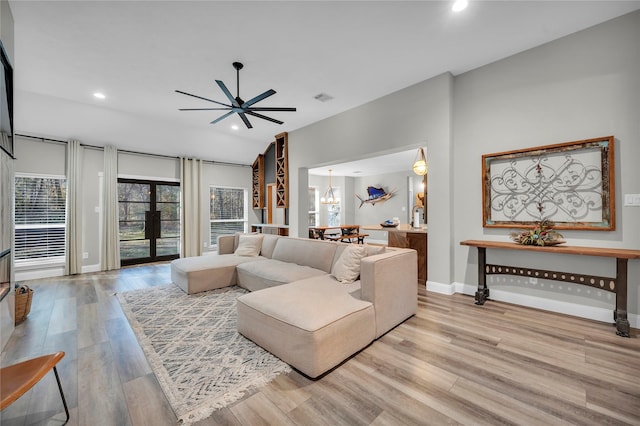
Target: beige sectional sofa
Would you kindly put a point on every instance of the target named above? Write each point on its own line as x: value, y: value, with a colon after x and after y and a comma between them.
x: 298, y: 308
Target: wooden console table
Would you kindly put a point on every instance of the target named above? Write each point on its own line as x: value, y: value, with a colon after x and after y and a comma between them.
x: 617, y: 285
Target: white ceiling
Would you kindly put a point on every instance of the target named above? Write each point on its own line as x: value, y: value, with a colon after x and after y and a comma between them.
x: 139, y: 52
x: 389, y: 163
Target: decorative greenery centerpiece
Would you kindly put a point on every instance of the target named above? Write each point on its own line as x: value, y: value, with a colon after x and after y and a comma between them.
x: 542, y: 234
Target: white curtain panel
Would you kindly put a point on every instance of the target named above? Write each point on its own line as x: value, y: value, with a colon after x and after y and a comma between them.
x: 110, y: 226
x: 191, y: 193
x: 74, y: 208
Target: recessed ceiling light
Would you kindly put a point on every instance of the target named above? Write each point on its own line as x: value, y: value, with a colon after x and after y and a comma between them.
x: 235, y: 127
x: 99, y: 95
x: 459, y: 5
x: 357, y: 171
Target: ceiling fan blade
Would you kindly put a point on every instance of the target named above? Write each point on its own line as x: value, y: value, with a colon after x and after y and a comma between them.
x: 246, y: 120
x: 227, y: 93
x: 264, y: 117
x: 271, y: 109
x: 204, y: 109
x: 222, y: 117
x: 204, y: 99
x: 258, y: 98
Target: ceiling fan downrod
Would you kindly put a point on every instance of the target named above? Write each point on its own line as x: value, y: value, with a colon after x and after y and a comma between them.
x: 238, y: 66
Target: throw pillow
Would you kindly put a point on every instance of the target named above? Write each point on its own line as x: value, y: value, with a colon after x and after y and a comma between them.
x: 373, y: 250
x: 347, y: 267
x: 237, y: 237
x: 249, y: 245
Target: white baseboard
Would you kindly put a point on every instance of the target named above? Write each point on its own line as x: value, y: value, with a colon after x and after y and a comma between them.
x: 50, y: 272
x: 91, y: 268
x: 567, y: 308
x: 40, y: 273
x: 436, y: 287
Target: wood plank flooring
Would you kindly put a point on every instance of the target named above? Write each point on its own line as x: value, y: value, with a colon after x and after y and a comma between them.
x: 452, y: 363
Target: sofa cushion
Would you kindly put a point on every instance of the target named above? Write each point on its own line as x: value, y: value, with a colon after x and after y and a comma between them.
x: 249, y: 245
x: 309, y: 304
x: 315, y: 253
x: 272, y: 272
x: 372, y: 250
x: 268, y: 245
x: 347, y: 268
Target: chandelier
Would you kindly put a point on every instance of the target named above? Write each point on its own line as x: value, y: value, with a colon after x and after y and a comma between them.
x: 329, y: 197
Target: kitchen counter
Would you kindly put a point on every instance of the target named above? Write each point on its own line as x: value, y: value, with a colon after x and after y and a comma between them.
x: 403, y: 227
x: 406, y: 236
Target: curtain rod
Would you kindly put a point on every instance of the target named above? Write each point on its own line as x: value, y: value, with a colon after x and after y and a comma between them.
x: 126, y: 151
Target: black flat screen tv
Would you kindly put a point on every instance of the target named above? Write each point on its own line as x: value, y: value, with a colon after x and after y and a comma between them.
x: 6, y: 103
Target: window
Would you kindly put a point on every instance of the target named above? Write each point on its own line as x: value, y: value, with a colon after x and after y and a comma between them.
x: 228, y: 211
x: 313, y: 206
x: 40, y: 218
x: 333, y: 210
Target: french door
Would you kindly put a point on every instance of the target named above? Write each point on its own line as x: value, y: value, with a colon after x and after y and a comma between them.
x: 149, y: 216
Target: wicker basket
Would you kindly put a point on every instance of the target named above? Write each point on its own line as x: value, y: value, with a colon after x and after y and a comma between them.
x: 23, y: 302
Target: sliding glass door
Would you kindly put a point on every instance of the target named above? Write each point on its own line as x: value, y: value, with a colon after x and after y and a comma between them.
x: 149, y: 214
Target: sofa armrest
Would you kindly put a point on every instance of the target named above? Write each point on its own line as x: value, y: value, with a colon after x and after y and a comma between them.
x: 226, y: 244
x: 390, y: 281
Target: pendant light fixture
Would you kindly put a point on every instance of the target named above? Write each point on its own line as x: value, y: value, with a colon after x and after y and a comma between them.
x: 329, y: 197
x: 420, y: 164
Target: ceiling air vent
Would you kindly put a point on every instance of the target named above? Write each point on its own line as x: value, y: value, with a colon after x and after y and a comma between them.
x: 323, y: 97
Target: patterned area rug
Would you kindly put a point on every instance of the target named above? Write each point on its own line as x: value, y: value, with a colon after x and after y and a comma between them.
x: 191, y: 343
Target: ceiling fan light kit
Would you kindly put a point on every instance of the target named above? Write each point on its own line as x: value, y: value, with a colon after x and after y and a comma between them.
x: 237, y: 105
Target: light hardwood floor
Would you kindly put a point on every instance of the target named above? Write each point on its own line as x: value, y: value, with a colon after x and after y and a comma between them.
x: 452, y: 363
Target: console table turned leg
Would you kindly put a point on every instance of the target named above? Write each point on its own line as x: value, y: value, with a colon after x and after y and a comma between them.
x: 483, y: 292
x: 620, y: 314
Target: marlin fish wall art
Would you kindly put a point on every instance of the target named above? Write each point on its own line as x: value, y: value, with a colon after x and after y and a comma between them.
x: 376, y: 195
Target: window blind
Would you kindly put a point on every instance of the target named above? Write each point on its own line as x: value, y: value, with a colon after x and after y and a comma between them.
x: 228, y: 211
x: 40, y: 218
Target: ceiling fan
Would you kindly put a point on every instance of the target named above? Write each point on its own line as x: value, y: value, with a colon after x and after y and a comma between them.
x: 238, y: 105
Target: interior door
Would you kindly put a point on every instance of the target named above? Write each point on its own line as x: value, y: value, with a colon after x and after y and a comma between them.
x: 149, y: 219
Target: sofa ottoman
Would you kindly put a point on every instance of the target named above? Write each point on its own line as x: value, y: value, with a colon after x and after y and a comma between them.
x: 313, y: 324
x: 202, y: 273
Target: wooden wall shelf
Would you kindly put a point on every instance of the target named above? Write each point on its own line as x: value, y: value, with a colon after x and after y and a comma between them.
x: 282, y: 171
x: 257, y: 183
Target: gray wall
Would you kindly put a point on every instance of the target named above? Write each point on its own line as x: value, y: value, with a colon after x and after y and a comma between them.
x: 399, y: 205
x: 379, y: 127
x: 582, y: 86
